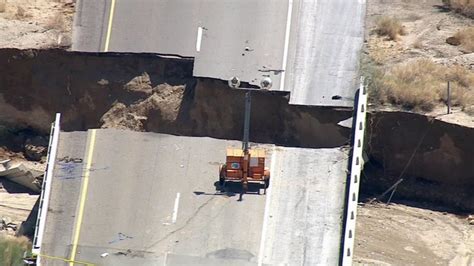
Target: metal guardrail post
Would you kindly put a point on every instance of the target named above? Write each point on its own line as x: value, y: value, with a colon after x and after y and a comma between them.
x: 356, y: 168
x: 46, y: 186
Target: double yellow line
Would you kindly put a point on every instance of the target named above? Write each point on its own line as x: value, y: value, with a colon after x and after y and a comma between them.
x: 82, y: 202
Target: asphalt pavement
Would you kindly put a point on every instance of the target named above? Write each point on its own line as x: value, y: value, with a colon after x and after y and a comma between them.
x: 243, y: 39
x: 323, y: 55
x: 65, y: 192
x: 151, y: 199
x: 305, y: 207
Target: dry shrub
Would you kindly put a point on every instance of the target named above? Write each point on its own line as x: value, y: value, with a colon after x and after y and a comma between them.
x: 466, y: 37
x: 12, y: 249
x: 465, y: 7
x: 418, y: 44
x: 21, y: 13
x: 390, y: 27
x: 58, y: 22
x: 421, y: 85
x: 469, y: 110
x: 3, y: 6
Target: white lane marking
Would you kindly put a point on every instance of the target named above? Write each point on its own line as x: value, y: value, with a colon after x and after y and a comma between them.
x: 175, y: 209
x: 267, y: 207
x: 287, y: 42
x: 198, y: 40
x: 166, y: 258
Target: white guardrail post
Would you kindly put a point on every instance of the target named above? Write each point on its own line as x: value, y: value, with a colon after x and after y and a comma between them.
x: 46, y: 187
x: 356, y: 168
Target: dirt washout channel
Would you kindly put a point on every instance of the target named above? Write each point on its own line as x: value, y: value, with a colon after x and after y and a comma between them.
x: 148, y: 93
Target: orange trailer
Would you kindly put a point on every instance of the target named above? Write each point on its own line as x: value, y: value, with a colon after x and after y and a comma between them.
x: 245, y: 167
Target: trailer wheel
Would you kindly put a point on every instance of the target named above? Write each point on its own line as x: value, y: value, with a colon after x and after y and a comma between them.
x: 222, y: 170
x: 267, y: 183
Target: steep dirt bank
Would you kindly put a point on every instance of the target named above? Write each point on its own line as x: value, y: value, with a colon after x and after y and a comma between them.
x: 37, y: 83
x: 435, y: 157
x: 145, y: 92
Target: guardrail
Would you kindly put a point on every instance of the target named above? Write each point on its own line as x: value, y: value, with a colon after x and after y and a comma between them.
x: 46, y: 187
x: 354, y: 179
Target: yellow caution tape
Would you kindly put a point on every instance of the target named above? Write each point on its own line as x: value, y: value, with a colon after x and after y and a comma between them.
x: 67, y: 260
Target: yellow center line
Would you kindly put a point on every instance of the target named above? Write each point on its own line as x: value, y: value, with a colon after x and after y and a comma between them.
x: 82, y: 202
x: 109, y: 26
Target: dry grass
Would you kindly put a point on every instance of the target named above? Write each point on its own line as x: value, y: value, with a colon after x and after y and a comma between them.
x: 466, y: 37
x: 12, y: 249
x: 421, y: 85
x: 3, y: 6
x: 465, y: 7
x: 58, y: 22
x: 418, y: 44
x: 390, y: 27
x: 20, y: 13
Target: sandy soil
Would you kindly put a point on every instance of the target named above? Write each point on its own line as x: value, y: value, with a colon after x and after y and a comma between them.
x: 401, y: 235
x: 36, y: 23
x: 16, y: 204
x: 427, y: 25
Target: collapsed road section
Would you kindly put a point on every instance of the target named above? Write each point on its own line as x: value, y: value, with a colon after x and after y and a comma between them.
x: 142, y: 171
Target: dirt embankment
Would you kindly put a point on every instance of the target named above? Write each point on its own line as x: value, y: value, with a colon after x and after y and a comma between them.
x: 435, y: 157
x: 145, y: 92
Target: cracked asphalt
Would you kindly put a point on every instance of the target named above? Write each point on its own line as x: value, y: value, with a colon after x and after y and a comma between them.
x: 130, y: 203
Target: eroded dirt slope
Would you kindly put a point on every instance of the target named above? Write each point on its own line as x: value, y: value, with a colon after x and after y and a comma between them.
x: 434, y: 158
x: 148, y: 93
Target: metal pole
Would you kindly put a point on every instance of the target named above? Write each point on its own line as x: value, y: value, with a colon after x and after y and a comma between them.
x: 449, y: 98
x: 248, y: 102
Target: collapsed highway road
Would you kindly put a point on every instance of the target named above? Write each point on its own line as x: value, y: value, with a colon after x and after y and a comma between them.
x: 133, y: 198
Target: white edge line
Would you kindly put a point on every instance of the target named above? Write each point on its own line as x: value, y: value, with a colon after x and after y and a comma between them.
x: 47, y: 187
x: 287, y: 41
x: 175, y: 209
x: 165, y: 258
x: 267, y: 207
x: 198, y: 40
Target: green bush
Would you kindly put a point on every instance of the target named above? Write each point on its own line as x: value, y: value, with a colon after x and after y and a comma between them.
x: 12, y: 250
